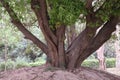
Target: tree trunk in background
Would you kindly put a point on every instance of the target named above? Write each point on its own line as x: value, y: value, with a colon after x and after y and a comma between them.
x: 117, y: 47
x: 5, y: 52
x: 70, y: 34
x: 101, y: 58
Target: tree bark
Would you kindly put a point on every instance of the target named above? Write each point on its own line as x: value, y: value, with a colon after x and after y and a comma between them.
x: 103, y: 35
x: 61, y: 49
x: 82, y: 41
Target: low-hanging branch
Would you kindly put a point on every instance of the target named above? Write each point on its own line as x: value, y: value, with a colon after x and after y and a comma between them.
x: 15, y: 20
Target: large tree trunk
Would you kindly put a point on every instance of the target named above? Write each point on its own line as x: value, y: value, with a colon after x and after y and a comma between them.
x: 86, y: 43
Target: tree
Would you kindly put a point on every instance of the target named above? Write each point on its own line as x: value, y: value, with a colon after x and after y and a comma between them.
x: 117, y: 47
x: 101, y: 57
x: 54, y: 16
x: 70, y: 34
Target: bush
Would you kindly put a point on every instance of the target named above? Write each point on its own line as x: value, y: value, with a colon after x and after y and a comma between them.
x: 21, y: 62
x: 38, y: 61
x: 93, y: 63
x: 110, y: 62
x: 9, y: 65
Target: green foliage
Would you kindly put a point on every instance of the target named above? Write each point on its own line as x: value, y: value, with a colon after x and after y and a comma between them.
x: 65, y: 11
x: 93, y: 63
x: 9, y: 65
x: 109, y: 8
x: 23, y: 11
x: 37, y: 62
x: 110, y: 63
x: 19, y: 63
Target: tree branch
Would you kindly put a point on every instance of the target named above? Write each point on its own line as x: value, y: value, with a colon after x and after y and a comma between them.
x: 15, y: 20
x: 40, y: 9
x: 89, y: 5
x: 103, y: 35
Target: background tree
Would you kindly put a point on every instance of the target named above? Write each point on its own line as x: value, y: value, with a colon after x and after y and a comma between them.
x: 53, y: 16
x: 117, y: 47
x: 101, y: 57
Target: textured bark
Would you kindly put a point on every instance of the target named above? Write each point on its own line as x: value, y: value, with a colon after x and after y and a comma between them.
x: 78, y: 46
x: 82, y: 41
x: 103, y: 35
x: 61, y: 50
x: 40, y: 9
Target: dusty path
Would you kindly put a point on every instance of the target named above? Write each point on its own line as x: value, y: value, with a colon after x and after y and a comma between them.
x: 49, y: 73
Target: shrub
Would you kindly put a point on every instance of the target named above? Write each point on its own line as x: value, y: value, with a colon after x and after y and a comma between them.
x: 21, y: 62
x: 93, y: 63
x: 110, y: 62
x: 9, y: 65
x: 38, y: 61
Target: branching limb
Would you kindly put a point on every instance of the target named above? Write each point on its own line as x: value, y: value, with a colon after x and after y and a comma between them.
x: 40, y: 9
x: 15, y: 20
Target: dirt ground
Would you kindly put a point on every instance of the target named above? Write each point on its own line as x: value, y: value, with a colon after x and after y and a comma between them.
x: 50, y: 73
x: 114, y: 71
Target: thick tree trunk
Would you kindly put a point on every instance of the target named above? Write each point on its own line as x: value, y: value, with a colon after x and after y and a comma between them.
x: 61, y: 50
x: 103, y: 35
x: 86, y: 44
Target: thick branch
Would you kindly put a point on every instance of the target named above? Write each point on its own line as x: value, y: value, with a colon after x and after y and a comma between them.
x: 79, y: 45
x: 89, y: 5
x: 20, y: 26
x: 103, y: 35
x: 40, y: 9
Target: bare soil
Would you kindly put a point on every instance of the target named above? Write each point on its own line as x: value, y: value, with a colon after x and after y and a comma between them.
x: 114, y: 71
x: 50, y: 73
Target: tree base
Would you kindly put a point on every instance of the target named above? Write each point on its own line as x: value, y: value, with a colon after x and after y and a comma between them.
x: 51, y: 73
